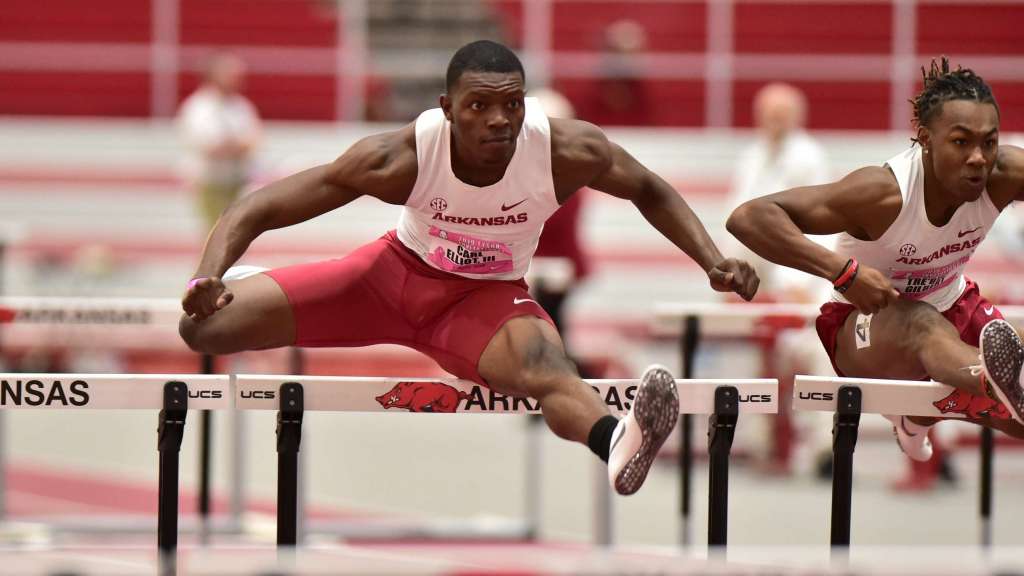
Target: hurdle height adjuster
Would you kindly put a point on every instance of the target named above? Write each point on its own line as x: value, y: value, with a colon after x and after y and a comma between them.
x: 170, y: 431
x: 721, y: 429
x: 289, y: 436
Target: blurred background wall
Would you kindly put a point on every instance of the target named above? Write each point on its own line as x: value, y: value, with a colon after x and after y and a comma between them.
x: 701, y: 61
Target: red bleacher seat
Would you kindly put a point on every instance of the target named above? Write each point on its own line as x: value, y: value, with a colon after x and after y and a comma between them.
x: 834, y: 105
x: 993, y: 29
x: 99, y: 93
x: 75, y: 21
x: 267, y: 22
x: 813, y: 28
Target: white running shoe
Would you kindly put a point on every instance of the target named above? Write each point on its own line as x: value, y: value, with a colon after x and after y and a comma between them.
x: 638, y: 437
x: 1002, y: 357
x: 917, y: 446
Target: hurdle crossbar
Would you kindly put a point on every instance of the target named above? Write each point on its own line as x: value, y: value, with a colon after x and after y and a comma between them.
x: 903, y: 397
x: 379, y: 394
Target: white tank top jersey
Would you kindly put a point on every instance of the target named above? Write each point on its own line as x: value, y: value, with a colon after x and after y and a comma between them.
x: 923, y: 261
x: 479, y: 232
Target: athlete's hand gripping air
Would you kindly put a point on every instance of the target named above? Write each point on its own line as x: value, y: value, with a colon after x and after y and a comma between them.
x: 871, y: 291
x: 204, y: 297
x: 732, y: 275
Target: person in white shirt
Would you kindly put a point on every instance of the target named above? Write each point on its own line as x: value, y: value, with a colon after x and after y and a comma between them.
x: 782, y: 156
x: 221, y: 130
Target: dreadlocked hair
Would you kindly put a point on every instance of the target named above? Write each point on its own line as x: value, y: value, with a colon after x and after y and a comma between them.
x: 942, y: 85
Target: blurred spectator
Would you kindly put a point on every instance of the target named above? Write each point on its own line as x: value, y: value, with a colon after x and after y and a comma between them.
x: 560, y: 262
x: 221, y: 129
x: 784, y: 156
x: 620, y: 96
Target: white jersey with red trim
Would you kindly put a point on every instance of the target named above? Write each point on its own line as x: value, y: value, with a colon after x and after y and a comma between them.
x: 923, y: 261
x: 479, y: 231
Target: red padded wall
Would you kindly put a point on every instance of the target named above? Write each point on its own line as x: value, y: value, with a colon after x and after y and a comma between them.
x: 75, y: 21
x: 824, y: 27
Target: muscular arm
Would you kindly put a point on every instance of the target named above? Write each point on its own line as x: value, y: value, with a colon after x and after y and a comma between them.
x: 1006, y: 182
x: 382, y: 166
x: 864, y: 204
x: 583, y: 156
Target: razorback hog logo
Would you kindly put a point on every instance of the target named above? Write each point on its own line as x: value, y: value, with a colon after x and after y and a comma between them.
x: 423, y: 397
x: 960, y: 402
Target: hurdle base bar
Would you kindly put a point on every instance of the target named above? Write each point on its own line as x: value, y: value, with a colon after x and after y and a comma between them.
x: 481, y: 529
x: 844, y: 439
x: 289, y: 436
x: 170, y: 431
x: 721, y: 430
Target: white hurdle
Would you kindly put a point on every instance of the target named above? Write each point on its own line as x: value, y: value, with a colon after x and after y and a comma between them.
x: 171, y: 394
x: 851, y: 397
x: 693, y: 320
x: 723, y: 399
x: 291, y: 396
x: 123, y: 324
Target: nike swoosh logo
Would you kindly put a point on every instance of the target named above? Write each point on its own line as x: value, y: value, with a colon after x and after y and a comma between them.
x: 507, y: 208
x: 521, y: 300
x: 963, y: 233
x: 989, y: 310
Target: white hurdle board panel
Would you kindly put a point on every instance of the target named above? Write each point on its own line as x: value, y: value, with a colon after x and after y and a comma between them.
x: 904, y: 397
x: 731, y: 319
x: 109, y: 391
x: 378, y: 394
x: 93, y: 311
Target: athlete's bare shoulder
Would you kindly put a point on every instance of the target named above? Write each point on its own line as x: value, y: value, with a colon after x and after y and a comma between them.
x: 580, y: 151
x: 383, y: 165
x: 1006, y: 183
x: 864, y: 203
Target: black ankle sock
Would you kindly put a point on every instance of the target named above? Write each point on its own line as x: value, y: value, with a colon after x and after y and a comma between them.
x: 601, y: 436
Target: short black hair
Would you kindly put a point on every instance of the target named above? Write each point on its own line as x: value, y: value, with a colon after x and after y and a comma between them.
x: 942, y: 85
x: 482, y: 56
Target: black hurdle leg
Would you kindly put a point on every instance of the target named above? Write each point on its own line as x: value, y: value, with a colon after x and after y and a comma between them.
x: 721, y: 428
x: 289, y: 435
x: 205, y: 469
x: 170, y: 430
x: 844, y: 433
x: 688, y: 352
x: 987, y: 453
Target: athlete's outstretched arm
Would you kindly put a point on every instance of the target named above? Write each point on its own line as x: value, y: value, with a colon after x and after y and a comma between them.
x: 581, y: 148
x: 864, y: 204
x: 1009, y: 167
x: 383, y: 166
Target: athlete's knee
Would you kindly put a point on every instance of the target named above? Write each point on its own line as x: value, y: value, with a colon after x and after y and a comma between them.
x: 204, y: 337
x: 545, y: 369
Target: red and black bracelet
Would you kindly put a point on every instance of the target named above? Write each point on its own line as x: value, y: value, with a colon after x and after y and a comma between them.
x: 845, y: 279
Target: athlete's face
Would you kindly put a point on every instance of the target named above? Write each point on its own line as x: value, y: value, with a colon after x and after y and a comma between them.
x: 486, y: 111
x: 962, y: 143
